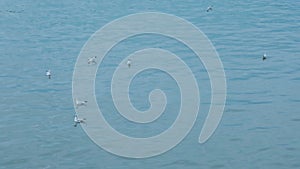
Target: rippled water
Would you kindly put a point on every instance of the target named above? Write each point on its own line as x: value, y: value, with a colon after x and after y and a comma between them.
x: 260, y: 124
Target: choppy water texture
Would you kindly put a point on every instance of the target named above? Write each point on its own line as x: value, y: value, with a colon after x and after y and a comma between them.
x: 260, y: 125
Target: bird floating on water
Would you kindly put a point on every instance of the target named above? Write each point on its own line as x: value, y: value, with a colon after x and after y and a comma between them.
x: 129, y: 63
x: 80, y: 103
x: 209, y: 8
x: 48, y: 73
x: 78, y: 120
x: 264, y: 57
x: 92, y: 60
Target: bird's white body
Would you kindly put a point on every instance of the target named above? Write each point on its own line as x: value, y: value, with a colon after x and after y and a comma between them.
x: 78, y: 120
x: 48, y: 73
x: 79, y: 103
x: 264, y: 56
x: 129, y: 63
x: 92, y: 60
x: 209, y: 9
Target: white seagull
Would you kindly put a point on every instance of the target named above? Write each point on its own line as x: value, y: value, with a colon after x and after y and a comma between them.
x: 264, y: 57
x: 78, y: 120
x: 80, y: 103
x: 48, y: 73
x: 92, y: 60
x: 209, y: 8
x: 129, y: 63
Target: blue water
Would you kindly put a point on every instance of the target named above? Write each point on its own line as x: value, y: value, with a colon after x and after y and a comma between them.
x: 261, y: 121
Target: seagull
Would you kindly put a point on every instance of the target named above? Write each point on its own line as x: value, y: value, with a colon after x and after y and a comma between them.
x: 92, y: 60
x: 78, y: 120
x: 48, y: 73
x: 129, y: 63
x: 209, y: 8
x: 264, y: 57
x: 80, y: 103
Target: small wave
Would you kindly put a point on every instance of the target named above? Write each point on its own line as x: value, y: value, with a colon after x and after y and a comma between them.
x: 15, y: 11
x: 218, y: 166
x: 291, y: 148
x: 296, y: 119
x: 235, y: 139
x: 15, y: 162
x: 263, y: 149
x: 260, y: 128
x: 181, y: 163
